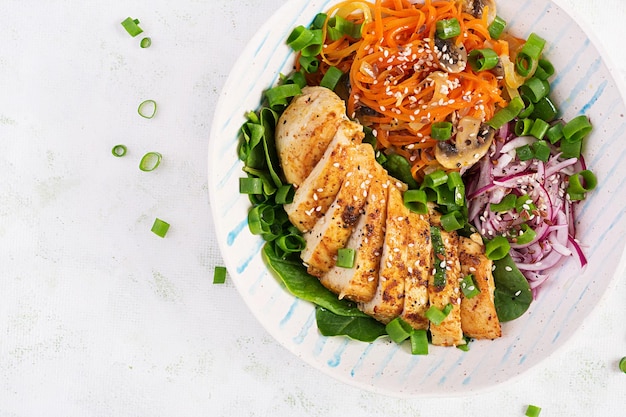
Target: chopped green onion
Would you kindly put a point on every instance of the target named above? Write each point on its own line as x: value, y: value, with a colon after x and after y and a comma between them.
x: 524, y: 153
x: 436, y: 316
x: 483, y: 59
x: 147, y: 109
x: 291, y: 243
x: 541, y: 150
x: 539, y: 128
x: 315, y: 46
x: 535, y: 89
x: 496, y: 27
x: 345, y: 257
x: 466, y: 346
x: 522, y: 127
x: 529, y: 54
x: 416, y: 201
x: 582, y: 182
x: 544, y: 109
x: 285, y: 194
x: 119, y: 150
x: 525, y: 235
x: 533, y: 411
x: 150, y: 161
x: 506, y: 204
x: 277, y: 96
x: 435, y: 179
x: 506, y: 114
x: 132, y: 26
x: 441, y: 130
x: 448, y: 28
x: 310, y: 64
x: 555, y: 133
x: 419, y: 342
x: 219, y: 275
x: 298, y: 78
x: 160, y: 227
x: 622, y: 364
x: 571, y: 149
x: 338, y: 27
x: 497, y: 248
x: 469, y: 287
x: 319, y: 20
x: 331, y: 78
x: 398, y: 330
x: 261, y: 218
x: 439, y: 258
x: 529, y: 108
x: 452, y: 221
x: 576, y: 129
x: 250, y: 185
x: 299, y: 38
x: 544, y: 70
x: 455, y: 184
x: 145, y: 42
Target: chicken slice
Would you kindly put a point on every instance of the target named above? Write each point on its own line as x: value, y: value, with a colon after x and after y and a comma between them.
x: 419, y: 261
x: 305, y: 129
x: 332, y: 231
x: 359, y: 283
x: 319, y: 189
x: 478, y: 314
x: 449, y: 332
x: 388, y: 300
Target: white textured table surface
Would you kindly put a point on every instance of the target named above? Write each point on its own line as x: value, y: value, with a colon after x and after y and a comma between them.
x: 100, y: 317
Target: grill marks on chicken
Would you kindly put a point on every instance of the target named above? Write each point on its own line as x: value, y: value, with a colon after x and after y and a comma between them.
x: 348, y: 200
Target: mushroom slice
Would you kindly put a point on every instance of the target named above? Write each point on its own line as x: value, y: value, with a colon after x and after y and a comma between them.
x: 477, y: 8
x: 472, y: 141
x: 451, y: 57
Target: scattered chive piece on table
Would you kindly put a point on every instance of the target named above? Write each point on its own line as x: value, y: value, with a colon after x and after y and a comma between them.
x: 219, y: 275
x: 150, y: 161
x: 132, y: 26
x: 145, y: 42
x: 119, y: 150
x: 160, y: 227
x: 533, y: 411
x: 147, y: 109
x: 622, y: 364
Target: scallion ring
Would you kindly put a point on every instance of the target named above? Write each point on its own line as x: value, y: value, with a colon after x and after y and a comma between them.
x: 147, y: 109
x: 483, y: 59
x: 436, y: 316
x: 160, y: 227
x: 448, y: 28
x: 582, y: 182
x: 150, y: 161
x: 419, y: 342
x: 441, y: 130
x: 622, y: 364
x: 132, y: 26
x: 497, y: 248
x: 331, y: 78
x: 346, y: 257
x: 119, y: 150
x: 219, y: 275
x: 145, y: 42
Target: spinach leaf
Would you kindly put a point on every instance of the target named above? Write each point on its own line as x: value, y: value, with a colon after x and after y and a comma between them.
x: 398, y: 167
x: 299, y: 283
x: 512, y: 294
x: 365, y: 329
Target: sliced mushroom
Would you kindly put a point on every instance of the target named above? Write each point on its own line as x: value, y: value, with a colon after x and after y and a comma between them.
x: 452, y: 57
x: 477, y: 7
x: 472, y: 141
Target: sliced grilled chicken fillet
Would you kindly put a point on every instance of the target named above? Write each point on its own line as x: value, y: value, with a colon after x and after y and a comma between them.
x: 317, y: 192
x: 449, y: 332
x: 419, y: 261
x: 388, y: 300
x: 478, y: 314
x: 309, y: 123
x: 332, y: 231
x: 359, y: 282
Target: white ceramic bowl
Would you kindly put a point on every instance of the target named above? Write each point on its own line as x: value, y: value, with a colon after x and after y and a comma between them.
x: 583, y: 85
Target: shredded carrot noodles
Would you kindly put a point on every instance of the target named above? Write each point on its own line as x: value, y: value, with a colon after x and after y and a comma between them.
x: 397, y: 85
